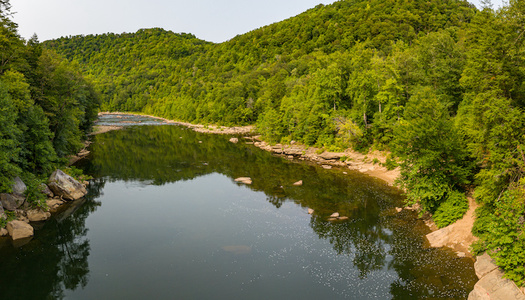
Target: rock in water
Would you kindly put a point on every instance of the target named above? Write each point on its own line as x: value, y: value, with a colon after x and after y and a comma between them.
x: 310, y: 211
x: 36, y: 215
x: 298, y: 183
x: 66, y: 186
x: 334, y: 215
x: 19, y: 230
x: 11, y: 202
x: 245, y: 180
x: 234, y: 140
x: 19, y: 187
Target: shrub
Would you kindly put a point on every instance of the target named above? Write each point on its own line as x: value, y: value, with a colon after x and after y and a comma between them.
x: 451, y: 210
x: 33, y: 193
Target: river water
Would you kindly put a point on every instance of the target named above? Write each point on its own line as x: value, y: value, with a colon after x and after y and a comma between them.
x: 164, y: 219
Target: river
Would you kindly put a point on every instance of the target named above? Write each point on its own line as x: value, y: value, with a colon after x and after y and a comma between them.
x: 164, y: 219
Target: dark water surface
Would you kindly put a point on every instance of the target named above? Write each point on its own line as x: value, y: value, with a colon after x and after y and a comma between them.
x: 164, y: 219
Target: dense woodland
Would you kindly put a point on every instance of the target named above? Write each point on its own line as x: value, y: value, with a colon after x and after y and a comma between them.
x: 439, y: 84
x: 46, y: 108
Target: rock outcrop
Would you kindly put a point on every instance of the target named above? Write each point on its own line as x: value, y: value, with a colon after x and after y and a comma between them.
x: 19, y: 230
x: 65, y: 186
x: 11, y: 201
x: 491, y: 284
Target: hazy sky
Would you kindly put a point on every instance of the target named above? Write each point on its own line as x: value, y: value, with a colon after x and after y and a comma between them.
x: 211, y: 20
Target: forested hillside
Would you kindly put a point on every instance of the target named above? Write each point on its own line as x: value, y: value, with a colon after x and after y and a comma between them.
x: 46, y: 108
x: 438, y: 83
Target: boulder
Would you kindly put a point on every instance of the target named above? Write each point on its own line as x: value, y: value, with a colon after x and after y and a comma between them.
x: 44, y: 189
x: 54, y: 203
x: 19, y: 230
x: 2, y: 213
x: 484, y: 264
x: 19, y: 187
x: 36, y: 215
x: 298, y: 183
x: 234, y: 140
x: 494, y: 286
x: 11, y: 201
x: 66, y: 186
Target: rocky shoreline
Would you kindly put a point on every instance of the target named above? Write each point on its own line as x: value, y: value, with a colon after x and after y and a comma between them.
x: 60, y: 189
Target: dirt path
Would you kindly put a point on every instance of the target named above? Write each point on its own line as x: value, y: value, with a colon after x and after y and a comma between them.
x: 457, y: 236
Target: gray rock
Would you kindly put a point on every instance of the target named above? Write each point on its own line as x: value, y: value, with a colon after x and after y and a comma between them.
x: 19, y: 230
x: 44, y: 189
x: 66, y: 186
x: 19, y: 187
x: 11, y: 202
x: 2, y: 213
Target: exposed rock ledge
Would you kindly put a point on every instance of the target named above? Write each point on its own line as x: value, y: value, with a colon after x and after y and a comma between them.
x: 491, y: 284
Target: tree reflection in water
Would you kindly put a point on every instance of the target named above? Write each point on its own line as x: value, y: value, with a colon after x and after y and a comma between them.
x: 374, y: 237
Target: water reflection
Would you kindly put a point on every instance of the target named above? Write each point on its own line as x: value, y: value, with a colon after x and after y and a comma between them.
x: 377, y: 241
x: 55, y: 260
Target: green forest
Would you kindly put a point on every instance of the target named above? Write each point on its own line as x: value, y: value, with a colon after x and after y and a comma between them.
x: 437, y: 83
x: 46, y: 109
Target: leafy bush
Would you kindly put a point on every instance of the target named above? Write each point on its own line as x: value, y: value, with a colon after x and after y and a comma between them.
x: 390, y: 163
x: 451, y: 210
x: 76, y: 173
x: 33, y: 193
x: 505, y: 239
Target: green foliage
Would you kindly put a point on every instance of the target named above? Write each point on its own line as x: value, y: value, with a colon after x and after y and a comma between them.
x: 452, y: 209
x: 77, y: 173
x: 46, y: 107
x: 34, y: 195
x: 390, y: 163
x: 434, y: 161
x: 9, y: 140
x: 505, y: 238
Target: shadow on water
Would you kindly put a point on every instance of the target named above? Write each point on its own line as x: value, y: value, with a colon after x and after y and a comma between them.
x: 375, y: 236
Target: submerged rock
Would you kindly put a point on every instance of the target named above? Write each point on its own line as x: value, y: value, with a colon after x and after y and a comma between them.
x: 19, y: 230
x: 298, y: 183
x: 11, y: 201
x: 245, y: 180
x: 66, y: 186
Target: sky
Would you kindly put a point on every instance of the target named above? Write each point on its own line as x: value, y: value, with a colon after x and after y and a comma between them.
x: 210, y: 20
